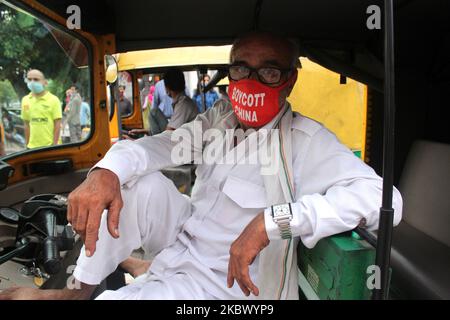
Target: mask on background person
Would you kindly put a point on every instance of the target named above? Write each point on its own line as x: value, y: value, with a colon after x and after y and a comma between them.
x: 35, y: 87
x: 254, y: 103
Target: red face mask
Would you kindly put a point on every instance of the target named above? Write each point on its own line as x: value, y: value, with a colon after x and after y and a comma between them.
x: 254, y: 103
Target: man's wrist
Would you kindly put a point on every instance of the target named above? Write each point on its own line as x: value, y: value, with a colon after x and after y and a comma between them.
x: 113, y: 164
x: 103, y: 171
x: 272, y: 230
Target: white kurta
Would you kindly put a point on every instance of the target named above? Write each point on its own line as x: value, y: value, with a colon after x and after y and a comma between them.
x: 334, y: 191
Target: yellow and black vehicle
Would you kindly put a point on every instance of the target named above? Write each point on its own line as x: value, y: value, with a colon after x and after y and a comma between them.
x: 398, y: 109
x: 342, y: 107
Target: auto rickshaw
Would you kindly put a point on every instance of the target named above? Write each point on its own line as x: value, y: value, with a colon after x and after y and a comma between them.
x: 406, y: 137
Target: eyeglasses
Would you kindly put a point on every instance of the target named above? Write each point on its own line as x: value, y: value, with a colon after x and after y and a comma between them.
x: 266, y: 75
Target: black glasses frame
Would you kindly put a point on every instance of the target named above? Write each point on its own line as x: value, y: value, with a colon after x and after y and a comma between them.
x: 283, y: 71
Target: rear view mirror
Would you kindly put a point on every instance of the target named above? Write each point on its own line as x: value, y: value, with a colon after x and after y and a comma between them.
x: 9, y: 215
x: 111, y: 69
x: 141, y: 84
x: 111, y: 75
x: 6, y: 172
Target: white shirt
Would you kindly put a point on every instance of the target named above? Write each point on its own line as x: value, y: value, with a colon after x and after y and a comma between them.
x: 335, y: 190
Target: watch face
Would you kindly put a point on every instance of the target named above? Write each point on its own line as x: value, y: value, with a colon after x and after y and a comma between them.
x: 282, y: 210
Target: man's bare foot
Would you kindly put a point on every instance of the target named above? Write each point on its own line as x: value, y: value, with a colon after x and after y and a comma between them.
x: 18, y: 293
x: 135, y: 266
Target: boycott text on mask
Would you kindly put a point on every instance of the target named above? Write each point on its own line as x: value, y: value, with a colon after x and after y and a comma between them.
x: 254, y: 103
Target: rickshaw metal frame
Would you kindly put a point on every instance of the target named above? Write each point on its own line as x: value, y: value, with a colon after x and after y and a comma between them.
x: 384, y: 239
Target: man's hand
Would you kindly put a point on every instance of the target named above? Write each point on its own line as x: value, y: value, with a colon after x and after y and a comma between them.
x: 101, y: 190
x: 127, y: 137
x: 135, y: 266
x: 138, y: 131
x: 243, y: 252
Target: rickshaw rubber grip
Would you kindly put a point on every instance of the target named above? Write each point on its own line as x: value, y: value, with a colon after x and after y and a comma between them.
x: 51, y: 258
x: 52, y: 262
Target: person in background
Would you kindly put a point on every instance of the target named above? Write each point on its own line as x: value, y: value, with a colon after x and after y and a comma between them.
x: 160, y: 113
x: 41, y: 113
x: 72, y: 113
x: 124, y: 102
x: 161, y: 100
x: 210, y: 96
x: 148, y: 101
x: 151, y: 91
x: 10, y: 132
x: 85, y: 115
x: 184, y: 108
x: 8, y: 126
x: 146, y: 79
x: 143, y: 99
x: 223, y: 94
x: 2, y: 141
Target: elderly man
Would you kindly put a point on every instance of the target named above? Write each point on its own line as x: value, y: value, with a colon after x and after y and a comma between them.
x: 41, y: 113
x: 242, y: 222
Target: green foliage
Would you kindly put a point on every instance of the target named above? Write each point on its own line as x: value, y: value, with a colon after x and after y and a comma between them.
x: 27, y: 43
x: 16, y: 47
x: 7, y: 93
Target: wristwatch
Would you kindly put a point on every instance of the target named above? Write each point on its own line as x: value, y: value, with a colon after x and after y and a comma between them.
x: 282, y: 216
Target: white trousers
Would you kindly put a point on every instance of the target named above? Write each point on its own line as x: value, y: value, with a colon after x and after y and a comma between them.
x: 153, y: 214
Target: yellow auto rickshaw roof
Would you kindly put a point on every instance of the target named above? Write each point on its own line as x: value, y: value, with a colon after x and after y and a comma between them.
x: 186, y: 56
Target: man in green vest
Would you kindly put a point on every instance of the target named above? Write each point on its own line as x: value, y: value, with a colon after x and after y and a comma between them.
x: 41, y: 113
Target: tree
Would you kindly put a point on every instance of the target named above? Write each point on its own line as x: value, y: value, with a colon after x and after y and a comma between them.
x: 26, y: 42
x: 7, y: 93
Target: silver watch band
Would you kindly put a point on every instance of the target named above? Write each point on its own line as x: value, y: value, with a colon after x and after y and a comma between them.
x: 285, y: 230
x: 282, y: 216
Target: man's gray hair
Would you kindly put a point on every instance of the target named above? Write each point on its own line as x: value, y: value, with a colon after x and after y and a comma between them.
x: 290, y: 43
